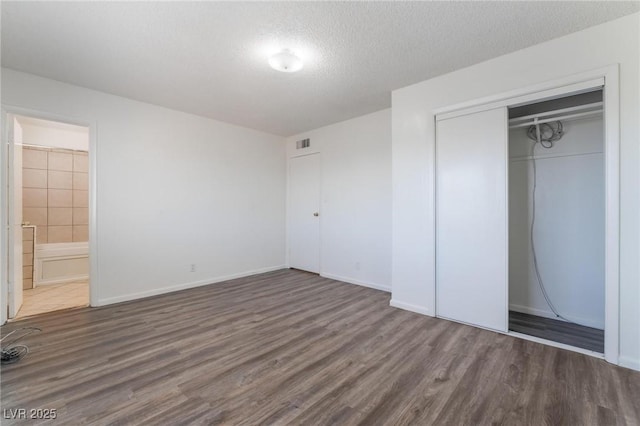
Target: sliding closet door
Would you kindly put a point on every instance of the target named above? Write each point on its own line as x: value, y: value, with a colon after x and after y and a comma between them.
x: 471, y: 219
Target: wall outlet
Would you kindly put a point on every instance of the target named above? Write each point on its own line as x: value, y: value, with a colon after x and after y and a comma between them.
x: 357, y: 266
x: 193, y: 267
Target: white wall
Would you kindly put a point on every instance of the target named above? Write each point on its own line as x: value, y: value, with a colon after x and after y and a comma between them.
x: 173, y: 189
x: 413, y: 152
x: 569, y: 231
x: 55, y: 135
x: 355, y: 219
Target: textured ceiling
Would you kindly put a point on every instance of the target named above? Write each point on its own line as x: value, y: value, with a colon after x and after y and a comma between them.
x: 210, y: 58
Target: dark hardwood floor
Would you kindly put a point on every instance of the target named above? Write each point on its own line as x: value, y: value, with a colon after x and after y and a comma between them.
x: 558, y: 331
x: 289, y: 347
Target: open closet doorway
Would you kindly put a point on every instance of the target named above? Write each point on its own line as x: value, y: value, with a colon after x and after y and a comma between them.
x: 48, y: 256
x: 557, y: 220
x: 546, y: 271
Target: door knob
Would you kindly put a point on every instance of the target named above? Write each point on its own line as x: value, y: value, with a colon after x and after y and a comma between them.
x: 316, y: 214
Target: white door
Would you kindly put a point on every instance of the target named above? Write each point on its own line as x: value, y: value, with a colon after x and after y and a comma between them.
x: 304, y: 213
x: 15, y: 216
x: 471, y: 219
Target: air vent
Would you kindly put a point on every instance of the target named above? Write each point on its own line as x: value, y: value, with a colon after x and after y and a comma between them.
x: 304, y: 143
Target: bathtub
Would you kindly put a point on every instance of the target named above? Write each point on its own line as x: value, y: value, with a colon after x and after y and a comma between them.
x: 60, y: 262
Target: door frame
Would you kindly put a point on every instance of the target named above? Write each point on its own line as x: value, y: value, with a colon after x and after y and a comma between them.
x: 6, y: 203
x: 288, y: 210
x: 15, y: 279
x: 608, y: 79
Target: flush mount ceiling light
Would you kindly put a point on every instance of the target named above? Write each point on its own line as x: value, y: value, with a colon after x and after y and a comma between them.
x: 285, y: 61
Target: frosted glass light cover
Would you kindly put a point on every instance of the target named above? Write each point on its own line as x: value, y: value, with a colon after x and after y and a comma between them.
x: 285, y: 61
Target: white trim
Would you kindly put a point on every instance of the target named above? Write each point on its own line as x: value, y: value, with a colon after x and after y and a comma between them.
x: 411, y: 307
x: 611, y: 99
x: 434, y: 179
x: 577, y: 83
x: 506, y: 215
x: 93, y: 225
x: 357, y: 282
x: 5, y: 218
x: 555, y: 344
x: 94, y: 276
x: 4, y: 221
x: 184, y: 286
x: 628, y: 362
x: 587, y: 322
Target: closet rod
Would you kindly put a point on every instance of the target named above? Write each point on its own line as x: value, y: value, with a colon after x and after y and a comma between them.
x: 561, y: 117
x: 558, y: 111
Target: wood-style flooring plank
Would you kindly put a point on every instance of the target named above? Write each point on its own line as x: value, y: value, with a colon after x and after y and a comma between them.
x: 559, y: 331
x: 289, y: 347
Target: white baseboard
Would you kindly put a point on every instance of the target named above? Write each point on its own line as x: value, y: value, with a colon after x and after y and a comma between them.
x: 184, y: 286
x: 411, y: 307
x: 628, y: 362
x: 357, y: 282
x: 548, y: 314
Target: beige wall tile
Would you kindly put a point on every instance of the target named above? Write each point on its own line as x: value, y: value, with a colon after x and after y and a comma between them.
x: 60, y: 198
x: 80, y: 216
x: 27, y: 272
x: 60, y: 216
x: 35, y: 215
x: 80, y: 233
x: 80, y: 198
x: 34, y: 178
x: 80, y: 181
x: 27, y: 234
x: 29, y: 250
x: 60, y: 234
x: 34, y: 158
x: 80, y: 163
x: 42, y: 235
x: 60, y: 161
x: 27, y: 284
x: 60, y: 180
x: 27, y: 259
x: 34, y: 197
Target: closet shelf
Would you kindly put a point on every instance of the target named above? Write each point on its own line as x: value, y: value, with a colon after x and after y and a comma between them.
x: 556, y: 115
x: 550, y: 156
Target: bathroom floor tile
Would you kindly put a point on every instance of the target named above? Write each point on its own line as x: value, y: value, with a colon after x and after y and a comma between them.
x: 54, y: 297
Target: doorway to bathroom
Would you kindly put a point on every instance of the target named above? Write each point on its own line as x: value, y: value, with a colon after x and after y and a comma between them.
x: 48, y: 256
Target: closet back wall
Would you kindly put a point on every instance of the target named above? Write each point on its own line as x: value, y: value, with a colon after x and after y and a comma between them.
x: 569, y: 231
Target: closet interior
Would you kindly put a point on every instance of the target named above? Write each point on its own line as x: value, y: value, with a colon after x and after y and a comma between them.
x: 556, y: 216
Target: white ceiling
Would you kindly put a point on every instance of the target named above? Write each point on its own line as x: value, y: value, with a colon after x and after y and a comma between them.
x: 210, y: 58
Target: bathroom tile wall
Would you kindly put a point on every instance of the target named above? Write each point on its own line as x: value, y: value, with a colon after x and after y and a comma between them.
x: 27, y: 258
x: 55, y: 193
